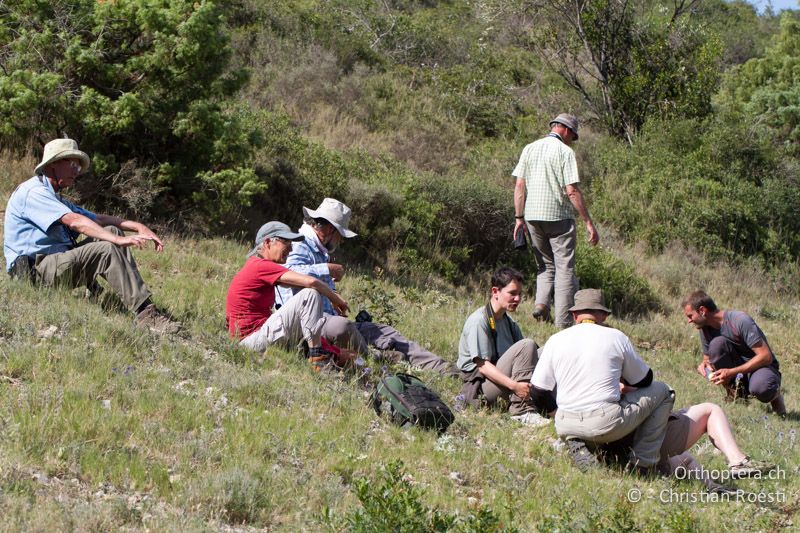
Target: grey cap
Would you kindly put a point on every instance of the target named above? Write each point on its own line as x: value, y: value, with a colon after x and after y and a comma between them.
x: 570, y: 121
x: 590, y: 300
x: 274, y: 230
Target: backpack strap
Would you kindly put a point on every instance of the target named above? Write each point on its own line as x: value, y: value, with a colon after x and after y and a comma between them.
x: 493, y: 329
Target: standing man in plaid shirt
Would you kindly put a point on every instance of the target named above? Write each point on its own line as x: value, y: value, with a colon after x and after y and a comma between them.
x: 547, y: 183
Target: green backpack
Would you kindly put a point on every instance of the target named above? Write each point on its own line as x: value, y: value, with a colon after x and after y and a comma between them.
x: 408, y: 402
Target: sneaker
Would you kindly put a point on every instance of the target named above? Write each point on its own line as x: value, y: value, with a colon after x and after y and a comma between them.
x: 778, y: 407
x: 581, y: 456
x: 541, y: 313
x: 322, y: 361
x: 531, y: 419
x: 748, y: 467
x: 156, y: 321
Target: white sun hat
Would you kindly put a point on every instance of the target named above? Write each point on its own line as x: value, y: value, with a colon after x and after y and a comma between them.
x: 334, y: 212
x: 62, y: 149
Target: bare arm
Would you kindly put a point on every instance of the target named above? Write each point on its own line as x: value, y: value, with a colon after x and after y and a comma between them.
x: 576, y: 198
x: 490, y: 372
x: 295, y: 279
x: 519, y: 204
x: 762, y: 358
x: 86, y: 226
x: 130, y: 225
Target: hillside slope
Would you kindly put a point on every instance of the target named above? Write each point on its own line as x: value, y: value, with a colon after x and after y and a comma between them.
x: 105, y: 428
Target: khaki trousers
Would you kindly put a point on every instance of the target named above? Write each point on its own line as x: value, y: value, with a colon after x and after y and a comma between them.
x: 92, y: 258
x: 556, y: 242
x: 644, y: 411
x: 517, y: 363
x: 297, y: 320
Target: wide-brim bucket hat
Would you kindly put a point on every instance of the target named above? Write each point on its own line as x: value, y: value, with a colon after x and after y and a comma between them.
x: 62, y: 149
x: 590, y: 300
x: 334, y: 212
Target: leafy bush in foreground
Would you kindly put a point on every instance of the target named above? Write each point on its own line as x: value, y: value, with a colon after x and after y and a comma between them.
x: 395, y: 504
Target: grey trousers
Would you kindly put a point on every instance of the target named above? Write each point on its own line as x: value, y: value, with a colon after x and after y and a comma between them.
x: 92, y: 258
x: 517, y: 363
x: 359, y: 336
x: 299, y: 319
x: 556, y: 242
x: 763, y: 383
x: 644, y: 411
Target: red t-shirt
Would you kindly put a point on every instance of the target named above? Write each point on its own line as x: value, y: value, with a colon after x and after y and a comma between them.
x: 251, y: 296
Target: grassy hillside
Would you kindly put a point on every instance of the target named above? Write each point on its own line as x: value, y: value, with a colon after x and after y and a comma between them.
x: 413, y: 112
x: 105, y: 427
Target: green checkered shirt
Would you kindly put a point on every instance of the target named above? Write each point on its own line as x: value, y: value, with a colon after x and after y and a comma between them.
x: 547, y: 166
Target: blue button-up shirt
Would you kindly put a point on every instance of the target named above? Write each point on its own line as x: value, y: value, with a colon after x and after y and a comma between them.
x: 308, y: 256
x: 32, y: 221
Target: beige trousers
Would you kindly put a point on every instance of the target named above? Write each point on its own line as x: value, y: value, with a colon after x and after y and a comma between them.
x: 517, y: 363
x: 644, y: 411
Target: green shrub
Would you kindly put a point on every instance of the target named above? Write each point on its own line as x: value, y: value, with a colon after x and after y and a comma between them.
x: 392, y: 503
x: 625, y: 292
x: 141, y: 85
x: 726, y: 192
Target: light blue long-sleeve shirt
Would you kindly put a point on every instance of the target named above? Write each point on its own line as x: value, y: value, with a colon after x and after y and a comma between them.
x: 310, y: 257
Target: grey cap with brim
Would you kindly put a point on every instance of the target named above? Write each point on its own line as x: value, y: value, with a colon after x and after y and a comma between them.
x: 274, y: 230
x: 62, y: 149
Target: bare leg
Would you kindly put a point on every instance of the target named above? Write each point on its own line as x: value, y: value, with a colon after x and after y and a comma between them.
x: 709, y: 417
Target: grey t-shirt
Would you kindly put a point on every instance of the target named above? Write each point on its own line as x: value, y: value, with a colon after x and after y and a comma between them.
x: 741, y: 330
x: 476, y: 339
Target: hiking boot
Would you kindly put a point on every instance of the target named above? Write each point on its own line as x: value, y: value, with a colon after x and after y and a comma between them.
x: 581, y: 456
x: 541, y: 313
x: 531, y: 419
x: 735, y: 391
x: 749, y: 467
x: 156, y: 321
x: 778, y: 407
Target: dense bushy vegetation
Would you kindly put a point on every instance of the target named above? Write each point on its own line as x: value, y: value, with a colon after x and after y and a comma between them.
x: 217, y: 116
x: 146, y: 88
x: 726, y: 184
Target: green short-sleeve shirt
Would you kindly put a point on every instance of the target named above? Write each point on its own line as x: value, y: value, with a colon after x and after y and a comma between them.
x: 547, y: 166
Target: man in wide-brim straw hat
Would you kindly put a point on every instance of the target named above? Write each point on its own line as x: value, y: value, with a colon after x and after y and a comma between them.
x: 604, y: 390
x: 41, y: 228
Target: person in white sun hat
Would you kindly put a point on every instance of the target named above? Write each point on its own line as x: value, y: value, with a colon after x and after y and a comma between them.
x: 41, y: 231
x: 324, y: 229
